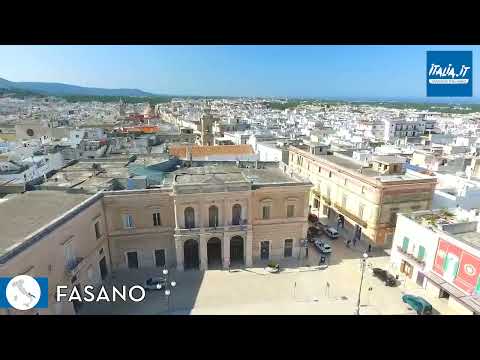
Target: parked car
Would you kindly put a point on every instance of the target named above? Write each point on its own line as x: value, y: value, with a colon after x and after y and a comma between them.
x: 419, y: 304
x: 331, y: 232
x: 385, y: 276
x: 323, y: 247
x: 155, y: 283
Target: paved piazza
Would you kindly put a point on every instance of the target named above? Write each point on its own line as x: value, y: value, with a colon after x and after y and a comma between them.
x: 299, y: 289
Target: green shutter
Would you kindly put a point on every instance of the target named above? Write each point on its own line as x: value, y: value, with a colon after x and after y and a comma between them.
x: 445, y: 262
x: 405, y: 244
x: 457, y: 264
x: 477, y: 289
x: 421, y: 252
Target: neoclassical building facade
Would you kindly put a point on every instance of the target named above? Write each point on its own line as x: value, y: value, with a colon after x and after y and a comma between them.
x: 208, y: 218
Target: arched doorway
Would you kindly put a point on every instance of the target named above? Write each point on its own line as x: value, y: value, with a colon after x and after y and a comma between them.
x: 191, y: 259
x: 214, y: 252
x: 236, y: 250
x: 236, y: 214
x: 189, y: 218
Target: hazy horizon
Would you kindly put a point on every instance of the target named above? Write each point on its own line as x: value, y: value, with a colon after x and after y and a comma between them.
x: 389, y: 72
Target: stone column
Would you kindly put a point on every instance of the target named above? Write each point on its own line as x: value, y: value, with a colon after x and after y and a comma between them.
x: 226, y: 251
x: 227, y: 213
x: 179, y: 253
x: 177, y: 224
x: 248, y: 248
x: 203, y: 252
x: 244, y: 215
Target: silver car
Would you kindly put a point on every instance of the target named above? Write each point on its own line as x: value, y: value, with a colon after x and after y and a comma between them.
x: 323, y: 247
x: 331, y: 232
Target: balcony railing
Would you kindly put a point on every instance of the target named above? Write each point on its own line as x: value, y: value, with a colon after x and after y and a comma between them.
x: 326, y: 200
x: 187, y: 231
x: 351, y: 216
x: 415, y: 259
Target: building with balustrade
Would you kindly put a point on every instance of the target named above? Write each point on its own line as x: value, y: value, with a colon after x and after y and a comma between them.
x: 209, y: 217
x: 200, y: 218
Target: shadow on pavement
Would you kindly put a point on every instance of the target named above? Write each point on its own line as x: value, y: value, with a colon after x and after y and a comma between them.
x: 182, y: 298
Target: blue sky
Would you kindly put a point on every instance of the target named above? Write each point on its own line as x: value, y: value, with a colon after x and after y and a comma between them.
x: 293, y: 71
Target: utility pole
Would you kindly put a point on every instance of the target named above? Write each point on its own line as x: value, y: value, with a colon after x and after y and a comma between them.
x: 364, y: 265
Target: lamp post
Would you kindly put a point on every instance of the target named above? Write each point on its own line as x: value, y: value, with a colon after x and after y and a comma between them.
x: 168, y: 286
x: 363, y: 266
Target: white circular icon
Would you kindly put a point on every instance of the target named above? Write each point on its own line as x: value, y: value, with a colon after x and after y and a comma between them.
x: 23, y: 292
x: 469, y: 269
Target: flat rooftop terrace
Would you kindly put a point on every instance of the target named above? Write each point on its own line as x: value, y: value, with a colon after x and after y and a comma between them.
x: 24, y: 214
x: 226, y: 173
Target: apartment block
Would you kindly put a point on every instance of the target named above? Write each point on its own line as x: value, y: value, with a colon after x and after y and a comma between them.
x: 368, y: 196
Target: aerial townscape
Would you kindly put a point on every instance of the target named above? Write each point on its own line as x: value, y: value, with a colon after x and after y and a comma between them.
x: 241, y: 205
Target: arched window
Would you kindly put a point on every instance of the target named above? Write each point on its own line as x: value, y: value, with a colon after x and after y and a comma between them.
x: 213, y: 216
x: 236, y: 214
x: 189, y: 218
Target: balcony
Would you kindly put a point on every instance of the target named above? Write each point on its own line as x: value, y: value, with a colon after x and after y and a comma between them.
x: 73, y: 264
x: 326, y: 200
x: 351, y: 216
x: 242, y: 226
x: 187, y: 231
x: 411, y: 257
x: 213, y: 229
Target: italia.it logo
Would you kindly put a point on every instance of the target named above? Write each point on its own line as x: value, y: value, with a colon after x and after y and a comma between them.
x: 23, y: 292
x: 449, y: 73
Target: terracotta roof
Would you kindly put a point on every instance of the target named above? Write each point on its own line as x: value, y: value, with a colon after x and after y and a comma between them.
x: 181, y: 150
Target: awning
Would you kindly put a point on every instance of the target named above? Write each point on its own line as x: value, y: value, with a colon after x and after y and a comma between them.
x: 472, y: 302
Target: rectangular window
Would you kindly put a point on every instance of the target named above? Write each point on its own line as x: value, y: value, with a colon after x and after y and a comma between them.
x: 316, y: 203
x: 128, y: 221
x: 393, y: 216
x: 319, y: 169
x: 266, y: 212
x: 290, y: 211
x: 361, y: 208
x: 330, y: 174
x: 160, y: 258
x: 405, y: 244
x: 156, y: 219
x: 98, y: 234
x: 421, y: 252
x: 344, y: 201
x: 132, y: 260
x: 69, y: 256
x: 287, y: 252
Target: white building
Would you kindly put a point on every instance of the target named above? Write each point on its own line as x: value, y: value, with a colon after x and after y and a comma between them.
x: 439, y: 250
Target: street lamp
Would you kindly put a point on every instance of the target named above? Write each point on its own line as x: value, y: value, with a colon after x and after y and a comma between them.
x: 363, y: 266
x: 168, y: 286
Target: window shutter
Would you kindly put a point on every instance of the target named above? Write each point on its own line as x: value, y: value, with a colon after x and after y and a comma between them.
x: 405, y: 244
x: 421, y: 252
x: 445, y: 262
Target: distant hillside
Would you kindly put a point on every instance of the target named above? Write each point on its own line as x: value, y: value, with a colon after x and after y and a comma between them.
x: 58, y: 89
